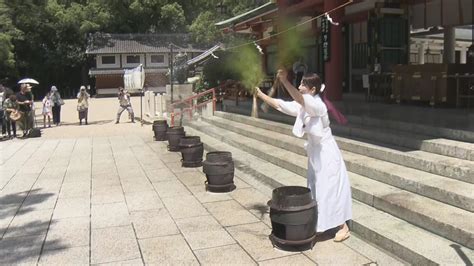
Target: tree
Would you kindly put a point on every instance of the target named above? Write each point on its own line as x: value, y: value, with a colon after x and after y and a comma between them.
x: 172, y: 18
x: 47, y: 39
x: 204, y: 29
x: 7, y: 31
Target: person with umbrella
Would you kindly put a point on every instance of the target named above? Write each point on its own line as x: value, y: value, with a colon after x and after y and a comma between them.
x: 25, y: 102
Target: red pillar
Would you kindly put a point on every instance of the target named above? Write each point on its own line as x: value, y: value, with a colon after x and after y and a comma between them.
x: 333, y: 69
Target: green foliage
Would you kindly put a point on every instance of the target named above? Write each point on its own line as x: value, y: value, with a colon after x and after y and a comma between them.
x: 203, y: 28
x: 172, y: 16
x: 246, y: 62
x: 7, y: 60
x: 290, y: 49
x: 46, y: 39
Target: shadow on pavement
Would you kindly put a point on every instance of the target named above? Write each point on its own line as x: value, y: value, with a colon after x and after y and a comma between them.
x: 26, y: 249
x: 22, y: 243
x: 10, y: 203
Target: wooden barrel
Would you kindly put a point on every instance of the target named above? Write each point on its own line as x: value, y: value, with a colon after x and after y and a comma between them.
x: 219, y: 170
x: 159, y: 128
x: 192, y: 150
x: 293, y: 214
x: 174, y: 134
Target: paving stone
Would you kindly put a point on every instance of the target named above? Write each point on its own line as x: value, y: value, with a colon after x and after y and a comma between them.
x: 6, y: 216
x: 230, y: 254
x: 75, y: 179
x: 71, y: 232
x: 67, y: 256
x: 132, y: 186
x: 205, y: 196
x: 191, y: 178
x: 133, y: 174
x: 167, y: 250
x: 48, y: 183
x: 297, y: 259
x: 254, y: 239
x: 109, y: 182
x: 378, y: 256
x: 239, y: 183
x: 163, y: 174
x: 184, y: 207
x: 323, y: 253
x: 75, y: 190
x: 254, y: 201
x: 108, y: 215
x: 21, y: 250
x: 113, y: 244
x: 153, y: 223
x: 176, y: 167
x: 106, y: 195
x: 40, y: 199
x: 135, y: 262
x: 72, y: 207
x: 170, y: 157
x: 171, y: 188
x: 203, y: 232
x: 29, y: 223
x: 145, y: 200
x: 230, y: 213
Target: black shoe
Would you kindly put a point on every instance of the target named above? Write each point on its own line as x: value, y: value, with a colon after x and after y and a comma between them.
x: 116, y: 122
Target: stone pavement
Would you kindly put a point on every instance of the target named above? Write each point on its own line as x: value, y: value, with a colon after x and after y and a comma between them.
x: 109, y: 194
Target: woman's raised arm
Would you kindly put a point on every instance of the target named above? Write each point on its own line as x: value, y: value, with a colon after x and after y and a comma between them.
x: 294, y: 93
x: 269, y: 100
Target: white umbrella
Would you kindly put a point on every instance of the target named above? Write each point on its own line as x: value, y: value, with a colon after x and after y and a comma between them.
x: 28, y: 80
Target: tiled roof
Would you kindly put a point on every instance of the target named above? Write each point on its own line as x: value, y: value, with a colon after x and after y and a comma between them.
x: 204, y: 55
x: 106, y: 43
x: 263, y: 9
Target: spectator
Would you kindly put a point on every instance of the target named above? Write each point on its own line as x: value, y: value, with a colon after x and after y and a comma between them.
x: 83, y: 104
x: 25, y: 102
x: 47, y: 103
x: 10, y: 105
x: 57, y: 102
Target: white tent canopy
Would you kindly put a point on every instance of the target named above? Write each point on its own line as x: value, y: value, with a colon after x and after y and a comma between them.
x: 134, y: 79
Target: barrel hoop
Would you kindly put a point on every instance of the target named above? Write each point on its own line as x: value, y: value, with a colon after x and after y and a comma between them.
x: 293, y: 208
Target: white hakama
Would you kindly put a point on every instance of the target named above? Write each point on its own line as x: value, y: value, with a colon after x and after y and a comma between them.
x: 327, y: 175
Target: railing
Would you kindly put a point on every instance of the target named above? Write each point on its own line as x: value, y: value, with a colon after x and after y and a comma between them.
x: 191, y: 106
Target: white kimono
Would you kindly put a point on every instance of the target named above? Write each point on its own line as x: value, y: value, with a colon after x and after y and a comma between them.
x: 327, y: 175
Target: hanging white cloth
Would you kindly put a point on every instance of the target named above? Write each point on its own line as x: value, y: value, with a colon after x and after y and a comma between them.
x: 327, y: 175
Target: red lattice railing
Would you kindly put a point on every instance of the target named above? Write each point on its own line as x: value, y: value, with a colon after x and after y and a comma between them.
x: 190, y: 106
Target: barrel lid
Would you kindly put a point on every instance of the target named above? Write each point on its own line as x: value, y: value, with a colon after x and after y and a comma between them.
x: 291, y: 198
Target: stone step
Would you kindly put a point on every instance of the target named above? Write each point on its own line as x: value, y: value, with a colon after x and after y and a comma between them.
x: 424, y: 142
x: 433, y: 163
x: 386, y: 231
x: 372, y: 120
x: 443, y: 189
x: 367, y: 188
x: 440, y: 132
x: 447, y: 147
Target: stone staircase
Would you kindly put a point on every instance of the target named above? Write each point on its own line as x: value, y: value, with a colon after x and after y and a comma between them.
x: 413, y: 194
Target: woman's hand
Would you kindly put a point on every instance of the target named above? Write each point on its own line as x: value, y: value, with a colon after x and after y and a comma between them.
x: 282, y: 74
x: 257, y: 91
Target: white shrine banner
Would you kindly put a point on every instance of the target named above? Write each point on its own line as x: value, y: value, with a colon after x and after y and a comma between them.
x: 133, y: 79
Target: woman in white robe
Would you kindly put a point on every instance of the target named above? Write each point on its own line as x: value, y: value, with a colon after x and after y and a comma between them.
x: 327, y: 175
